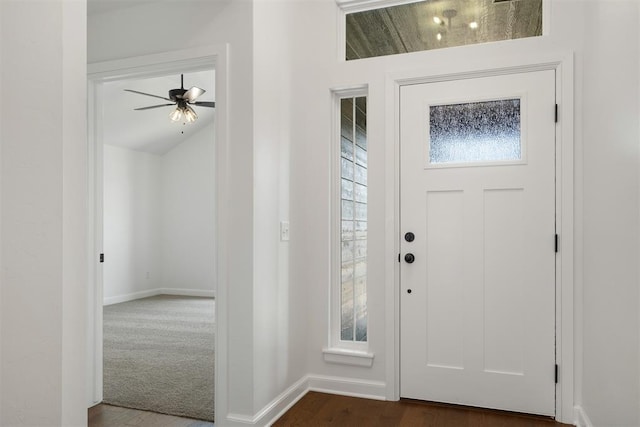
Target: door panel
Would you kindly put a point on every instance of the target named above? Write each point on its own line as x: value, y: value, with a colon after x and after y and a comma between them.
x: 444, y: 292
x: 478, y: 191
x: 503, y: 287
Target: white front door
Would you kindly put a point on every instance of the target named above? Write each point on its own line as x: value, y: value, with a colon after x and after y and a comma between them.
x: 478, y: 194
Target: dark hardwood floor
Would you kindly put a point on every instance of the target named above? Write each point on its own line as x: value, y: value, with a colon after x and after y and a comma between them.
x: 319, y: 409
x: 114, y: 416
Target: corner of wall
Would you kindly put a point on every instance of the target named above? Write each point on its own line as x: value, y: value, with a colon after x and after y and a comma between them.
x: 271, y: 412
x: 638, y: 17
x: 1, y: 269
x: 581, y: 418
x: 74, y: 204
x: 276, y: 408
x: 278, y: 316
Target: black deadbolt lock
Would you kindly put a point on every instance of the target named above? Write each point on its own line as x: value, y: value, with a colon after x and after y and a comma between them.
x: 409, y: 258
x: 408, y: 291
x: 409, y: 237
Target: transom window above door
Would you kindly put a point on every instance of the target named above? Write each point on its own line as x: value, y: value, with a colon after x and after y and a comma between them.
x: 436, y: 24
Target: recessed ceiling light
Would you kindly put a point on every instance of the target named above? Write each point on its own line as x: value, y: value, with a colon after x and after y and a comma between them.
x: 437, y: 20
x: 473, y: 25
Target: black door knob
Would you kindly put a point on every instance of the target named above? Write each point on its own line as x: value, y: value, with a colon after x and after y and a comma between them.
x: 409, y: 237
x: 409, y: 258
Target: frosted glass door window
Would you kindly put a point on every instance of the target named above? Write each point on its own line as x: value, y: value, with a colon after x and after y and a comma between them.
x: 487, y: 131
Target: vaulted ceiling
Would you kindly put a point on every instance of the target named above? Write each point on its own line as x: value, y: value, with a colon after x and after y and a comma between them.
x: 151, y: 130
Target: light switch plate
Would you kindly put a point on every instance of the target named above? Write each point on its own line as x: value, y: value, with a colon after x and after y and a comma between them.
x: 284, y: 231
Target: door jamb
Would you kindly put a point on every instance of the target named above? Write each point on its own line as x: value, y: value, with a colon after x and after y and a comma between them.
x: 207, y: 57
x: 563, y: 64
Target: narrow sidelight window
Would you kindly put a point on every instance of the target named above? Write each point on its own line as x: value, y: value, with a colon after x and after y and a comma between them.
x: 352, y: 200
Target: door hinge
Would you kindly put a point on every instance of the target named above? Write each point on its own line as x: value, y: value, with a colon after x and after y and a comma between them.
x: 556, y: 243
x: 398, y: 257
x: 556, y: 373
x: 101, y: 257
x: 556, y: 113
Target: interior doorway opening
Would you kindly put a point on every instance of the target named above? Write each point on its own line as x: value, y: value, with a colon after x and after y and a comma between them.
x: 159, y: 186
x: 159, y: 238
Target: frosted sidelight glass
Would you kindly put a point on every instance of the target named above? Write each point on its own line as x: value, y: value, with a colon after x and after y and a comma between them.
x: 353, y: 213
x: 485, y: 131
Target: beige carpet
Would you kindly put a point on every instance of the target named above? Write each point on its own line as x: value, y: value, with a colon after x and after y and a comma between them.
x: 159, y: 355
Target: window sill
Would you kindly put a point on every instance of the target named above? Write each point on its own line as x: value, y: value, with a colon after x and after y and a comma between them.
x: 348, y: 357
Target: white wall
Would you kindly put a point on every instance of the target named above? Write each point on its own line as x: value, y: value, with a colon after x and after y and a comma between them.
x: 132, y: 223
x: 1, y: 179
x: 145, y: 29
x: 187, y: 214
x: 1, y: 203
x: 610, y: 212
x: 159, y: 220
x: 280, y: 320
x: 43, y: 199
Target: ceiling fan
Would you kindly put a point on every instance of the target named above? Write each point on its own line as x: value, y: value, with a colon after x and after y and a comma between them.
x: 183, y: 99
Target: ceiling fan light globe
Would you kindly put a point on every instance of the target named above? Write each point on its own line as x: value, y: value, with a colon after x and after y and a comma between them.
x: 190, y: 115
x: 176, y: 115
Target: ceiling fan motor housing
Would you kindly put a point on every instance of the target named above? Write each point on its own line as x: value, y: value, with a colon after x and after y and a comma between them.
x: 176, y: 94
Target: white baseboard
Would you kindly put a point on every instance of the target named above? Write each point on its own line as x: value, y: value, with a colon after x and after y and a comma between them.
x: 348, y: 387
x: 159, y: 291
x: 275, y: 409
x: 188, y: 292
x: 582, y: 420
x: 325, y: 384
x: 130, y: 297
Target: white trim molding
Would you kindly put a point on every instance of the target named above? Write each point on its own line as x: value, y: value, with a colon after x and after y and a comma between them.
x: 348, y: 357
x: 130, y: 297
x: 346, y: 7
x: 159, y: 291
x: 582, y: 420
x: 350, y: 6
x: 188, y: 292
x: 337, y: 346
x: 193, y: 59
x: 365, y: 389
x: 276, y: 408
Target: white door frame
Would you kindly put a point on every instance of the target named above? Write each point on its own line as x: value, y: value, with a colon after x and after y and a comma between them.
x: 562, y: 63
x: 209, y: 57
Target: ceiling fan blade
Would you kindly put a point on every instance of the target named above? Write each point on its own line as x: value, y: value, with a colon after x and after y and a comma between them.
x: 147, y: 94
x: 193, y: 93
x: 205, y: 104
x: 153, y: 106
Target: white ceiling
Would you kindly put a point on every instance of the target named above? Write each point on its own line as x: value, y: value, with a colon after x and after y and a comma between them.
x: 151, y: 130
